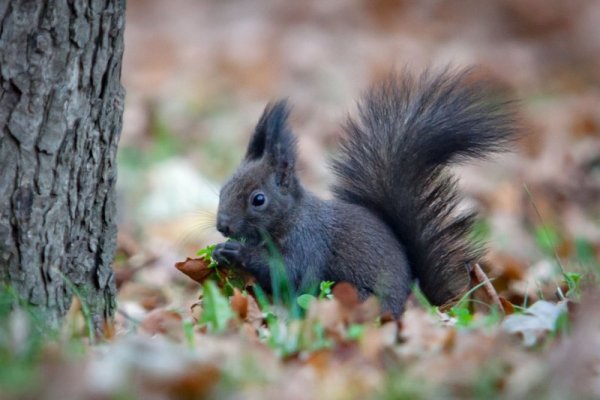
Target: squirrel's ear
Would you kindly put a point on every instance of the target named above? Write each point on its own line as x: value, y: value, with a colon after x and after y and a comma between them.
x: 256, y: 147
x: 273, y: 140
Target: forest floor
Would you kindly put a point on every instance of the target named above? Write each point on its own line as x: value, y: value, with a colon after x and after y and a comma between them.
x: 197, y: 75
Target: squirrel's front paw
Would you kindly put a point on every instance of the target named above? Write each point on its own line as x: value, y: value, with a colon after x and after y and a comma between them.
x: 228, y: 253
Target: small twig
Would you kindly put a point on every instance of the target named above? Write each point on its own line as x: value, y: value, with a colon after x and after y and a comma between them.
x: 481, y: 278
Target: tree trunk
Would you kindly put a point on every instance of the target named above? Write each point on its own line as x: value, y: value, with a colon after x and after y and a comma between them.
x: 61, y: 107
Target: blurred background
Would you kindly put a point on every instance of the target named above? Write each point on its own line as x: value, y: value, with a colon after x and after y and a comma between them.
x: 198, y: 74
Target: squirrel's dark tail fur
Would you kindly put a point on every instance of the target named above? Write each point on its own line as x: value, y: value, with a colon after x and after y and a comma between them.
x: 394, y: 160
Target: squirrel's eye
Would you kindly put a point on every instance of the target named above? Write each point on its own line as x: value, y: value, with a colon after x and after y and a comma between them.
x: 258, y: 199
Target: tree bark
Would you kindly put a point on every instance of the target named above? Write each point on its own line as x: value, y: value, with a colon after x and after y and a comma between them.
x: 61, y: 107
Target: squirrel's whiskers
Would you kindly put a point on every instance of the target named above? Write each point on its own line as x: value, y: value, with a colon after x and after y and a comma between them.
x: 197, y: 224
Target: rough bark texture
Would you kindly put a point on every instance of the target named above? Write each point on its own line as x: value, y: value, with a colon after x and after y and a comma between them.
x: 61, y: 106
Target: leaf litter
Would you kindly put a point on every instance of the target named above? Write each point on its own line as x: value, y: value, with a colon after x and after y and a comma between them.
x: 245, y: 345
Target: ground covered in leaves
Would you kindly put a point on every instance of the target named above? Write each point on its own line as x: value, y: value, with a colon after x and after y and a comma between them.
x: 232, y: 343
x: 198, y: 74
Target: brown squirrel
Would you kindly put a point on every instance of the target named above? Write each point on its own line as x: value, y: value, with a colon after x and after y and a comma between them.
x: 393, y: 218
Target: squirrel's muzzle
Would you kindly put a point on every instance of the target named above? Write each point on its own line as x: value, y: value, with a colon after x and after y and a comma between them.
x: 223, y: 225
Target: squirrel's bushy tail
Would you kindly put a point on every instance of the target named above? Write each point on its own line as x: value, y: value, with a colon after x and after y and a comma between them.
x: 394, y: 159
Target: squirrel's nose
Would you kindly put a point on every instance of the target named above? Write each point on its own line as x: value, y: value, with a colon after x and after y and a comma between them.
x: 223, y: 225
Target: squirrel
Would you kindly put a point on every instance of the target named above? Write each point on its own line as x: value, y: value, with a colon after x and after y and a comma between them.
x: 394, y: 218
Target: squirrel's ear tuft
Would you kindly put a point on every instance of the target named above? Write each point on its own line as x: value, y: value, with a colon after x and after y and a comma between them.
x: 273, y: 140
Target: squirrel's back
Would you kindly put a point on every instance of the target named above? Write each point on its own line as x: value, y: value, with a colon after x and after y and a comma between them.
x: 394, y: 162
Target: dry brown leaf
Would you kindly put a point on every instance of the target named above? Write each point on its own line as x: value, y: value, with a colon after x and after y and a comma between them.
x: 366, y: 312
x: 509, y: 307
x: 149, y: 297
x: 195, y: 268
x: 421, y: 333
x: 346, y: 294
x: 327, y: 312
x: 586, y: 124
x: 573, y: 364
x: 196, y: 310
x: 254, y: 316
x: 376, y: 339
x: 449, y: 341
x: 320, y: 360
x: 239, y: 304
x: 124, y: 274
x: 196, y: 383
x: 505, y: 269
x: 127, y: 270
x: 250, y: 332
x: 387, y: 317
x: 164, y: 322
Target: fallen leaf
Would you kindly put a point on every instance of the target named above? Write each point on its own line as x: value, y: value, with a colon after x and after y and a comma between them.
x: 196, y: 310
x: 346, y: 294
x: 327, y: 313
x: 449, y: 341
x: 156, y: 367
x: 320, y: 360
x: 509, y: 308
x: 196, y: 382
x: 195, y: 268
x: 586, y: 124
x: 376, y: 339
x: 254, y: 316
x: 250, y: 332
x: 164, y: 322
x: 239, y: 304
x: 535, y: 322
x: 149, y: 297
x: 365, y: 312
